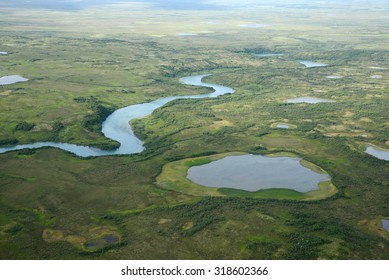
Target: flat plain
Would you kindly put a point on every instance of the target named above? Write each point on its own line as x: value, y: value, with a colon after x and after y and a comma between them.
x: 83, y: 63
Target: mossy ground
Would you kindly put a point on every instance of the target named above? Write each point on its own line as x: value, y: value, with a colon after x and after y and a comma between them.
x: 52, y: 203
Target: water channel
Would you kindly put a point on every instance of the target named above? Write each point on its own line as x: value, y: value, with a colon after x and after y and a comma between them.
x: 117, y: 127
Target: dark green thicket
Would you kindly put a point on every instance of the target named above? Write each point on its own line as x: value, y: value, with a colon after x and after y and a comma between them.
x: 9, y: 141
x: 94, y: 121
x: 24, y: 126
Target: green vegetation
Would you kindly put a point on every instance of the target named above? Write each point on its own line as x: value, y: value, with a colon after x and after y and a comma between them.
x: 197, y: 162
x: 24, y: 126
x: 54, y: 205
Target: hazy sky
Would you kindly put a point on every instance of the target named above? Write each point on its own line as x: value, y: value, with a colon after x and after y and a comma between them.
x: 186, y: 4
x: 79, y: 4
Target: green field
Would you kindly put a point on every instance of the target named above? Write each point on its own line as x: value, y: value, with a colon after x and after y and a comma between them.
x: 83, y: 64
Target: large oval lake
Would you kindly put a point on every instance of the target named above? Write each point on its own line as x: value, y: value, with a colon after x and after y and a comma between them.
x: 256, y: 172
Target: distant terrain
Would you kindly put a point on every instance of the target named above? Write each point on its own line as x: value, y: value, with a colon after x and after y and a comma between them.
x: 65, y: 66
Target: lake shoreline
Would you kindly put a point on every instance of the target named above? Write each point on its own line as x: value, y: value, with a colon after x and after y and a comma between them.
x: 174, y: 177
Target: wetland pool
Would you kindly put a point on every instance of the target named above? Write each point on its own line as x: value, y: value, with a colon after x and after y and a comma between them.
x: 12, y: 79
x: 283, y: 126
x: 102, y: 242
x: 310, y: 64
x: 378, y: 153
x: 256, y: 172
x: 334, y: 77
x: 309, y: 100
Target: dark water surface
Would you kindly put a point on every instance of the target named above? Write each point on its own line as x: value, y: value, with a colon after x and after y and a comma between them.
x: 385, y: 225
x: 110, y: 239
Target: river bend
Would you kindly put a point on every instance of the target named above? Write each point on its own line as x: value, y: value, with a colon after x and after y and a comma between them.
x: 117, y: 127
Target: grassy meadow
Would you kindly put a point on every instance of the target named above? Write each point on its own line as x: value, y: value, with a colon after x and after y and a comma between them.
x: 83, y: 64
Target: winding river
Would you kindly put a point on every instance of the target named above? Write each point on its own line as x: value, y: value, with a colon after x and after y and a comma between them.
x: 116, y: 126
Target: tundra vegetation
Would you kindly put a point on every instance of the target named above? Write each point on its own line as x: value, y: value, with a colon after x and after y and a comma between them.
x: 83, y: 64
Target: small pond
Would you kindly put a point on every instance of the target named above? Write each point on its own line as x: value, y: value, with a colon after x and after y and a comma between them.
x: 309, y: 100
x: 334, y: 77
x: 110, y: 239
x: 9, y: 80
x: 101, y: 242
x: 283, y: 125
x: 385, y: 225
x: 378, y: 153
x: 310, y: 64
x: 256, y: 172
